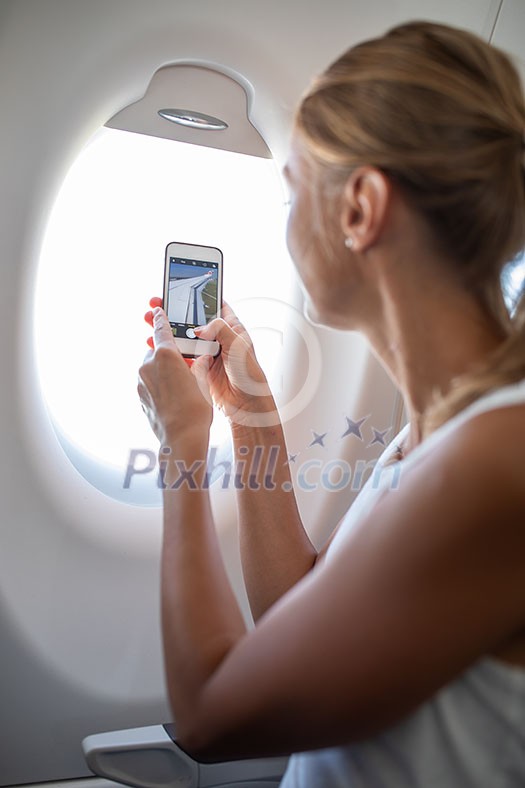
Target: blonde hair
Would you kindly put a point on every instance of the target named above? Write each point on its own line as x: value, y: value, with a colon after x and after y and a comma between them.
x: 441, y: 113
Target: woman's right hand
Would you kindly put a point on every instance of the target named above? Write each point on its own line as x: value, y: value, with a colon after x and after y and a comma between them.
x: 237, y: 383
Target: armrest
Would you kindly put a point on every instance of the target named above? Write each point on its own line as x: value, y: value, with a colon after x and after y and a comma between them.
x: 151, y: 758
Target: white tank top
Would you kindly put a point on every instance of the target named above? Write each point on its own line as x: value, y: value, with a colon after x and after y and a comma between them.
x: 471, y: 734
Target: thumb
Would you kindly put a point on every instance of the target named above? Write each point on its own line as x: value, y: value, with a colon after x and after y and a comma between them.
x: 218, y: 330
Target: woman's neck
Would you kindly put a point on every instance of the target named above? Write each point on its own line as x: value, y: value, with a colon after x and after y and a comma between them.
x: 426, y: 335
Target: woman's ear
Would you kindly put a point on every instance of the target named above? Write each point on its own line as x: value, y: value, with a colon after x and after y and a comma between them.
x: 365, y: 201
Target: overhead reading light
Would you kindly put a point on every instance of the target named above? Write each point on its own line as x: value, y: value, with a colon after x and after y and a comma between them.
x: 196, y: 120
x: 191, y: 88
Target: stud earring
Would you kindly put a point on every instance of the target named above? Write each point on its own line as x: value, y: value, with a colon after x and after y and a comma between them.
x: 349, y: 241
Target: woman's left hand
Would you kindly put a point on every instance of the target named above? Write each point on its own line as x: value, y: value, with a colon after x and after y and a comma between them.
x: 174, y: 397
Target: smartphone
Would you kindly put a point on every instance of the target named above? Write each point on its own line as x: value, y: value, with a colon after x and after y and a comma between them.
x: 192, y: 294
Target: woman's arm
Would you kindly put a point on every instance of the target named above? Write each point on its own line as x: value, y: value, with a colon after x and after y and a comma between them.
x: 428, y: 582
x: 201, y: 620
x: 275, y: 549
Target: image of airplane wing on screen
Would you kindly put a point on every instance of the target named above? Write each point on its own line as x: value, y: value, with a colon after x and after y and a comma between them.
x: 185, y: 300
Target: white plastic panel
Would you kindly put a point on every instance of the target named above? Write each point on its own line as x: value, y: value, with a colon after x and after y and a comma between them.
x: 195, y: 89
x: 149, y: 758
x: 78, y: 614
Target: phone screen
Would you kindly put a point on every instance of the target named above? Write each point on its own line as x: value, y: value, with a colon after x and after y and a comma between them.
x: 192, y: 294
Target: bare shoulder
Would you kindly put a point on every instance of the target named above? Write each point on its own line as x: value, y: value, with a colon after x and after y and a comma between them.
x: 503, y: 426
x: 469, y: 489
x: 486, y: 455
x: 476, y: 474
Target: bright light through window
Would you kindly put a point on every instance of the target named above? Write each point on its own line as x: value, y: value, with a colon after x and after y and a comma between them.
x: 513, y: 281
x: 126, y: 196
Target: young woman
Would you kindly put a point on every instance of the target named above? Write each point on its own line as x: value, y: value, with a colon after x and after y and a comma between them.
x: 396, y: 656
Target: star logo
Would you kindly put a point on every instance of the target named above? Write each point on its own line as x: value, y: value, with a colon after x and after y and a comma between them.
x: 354, y: 428
x: 318, y: 439
x: 379, y: 437
x: 292, y: 458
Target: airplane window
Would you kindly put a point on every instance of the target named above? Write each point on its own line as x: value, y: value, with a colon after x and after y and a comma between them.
x: 125, y: 197
x: 513, y: 281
